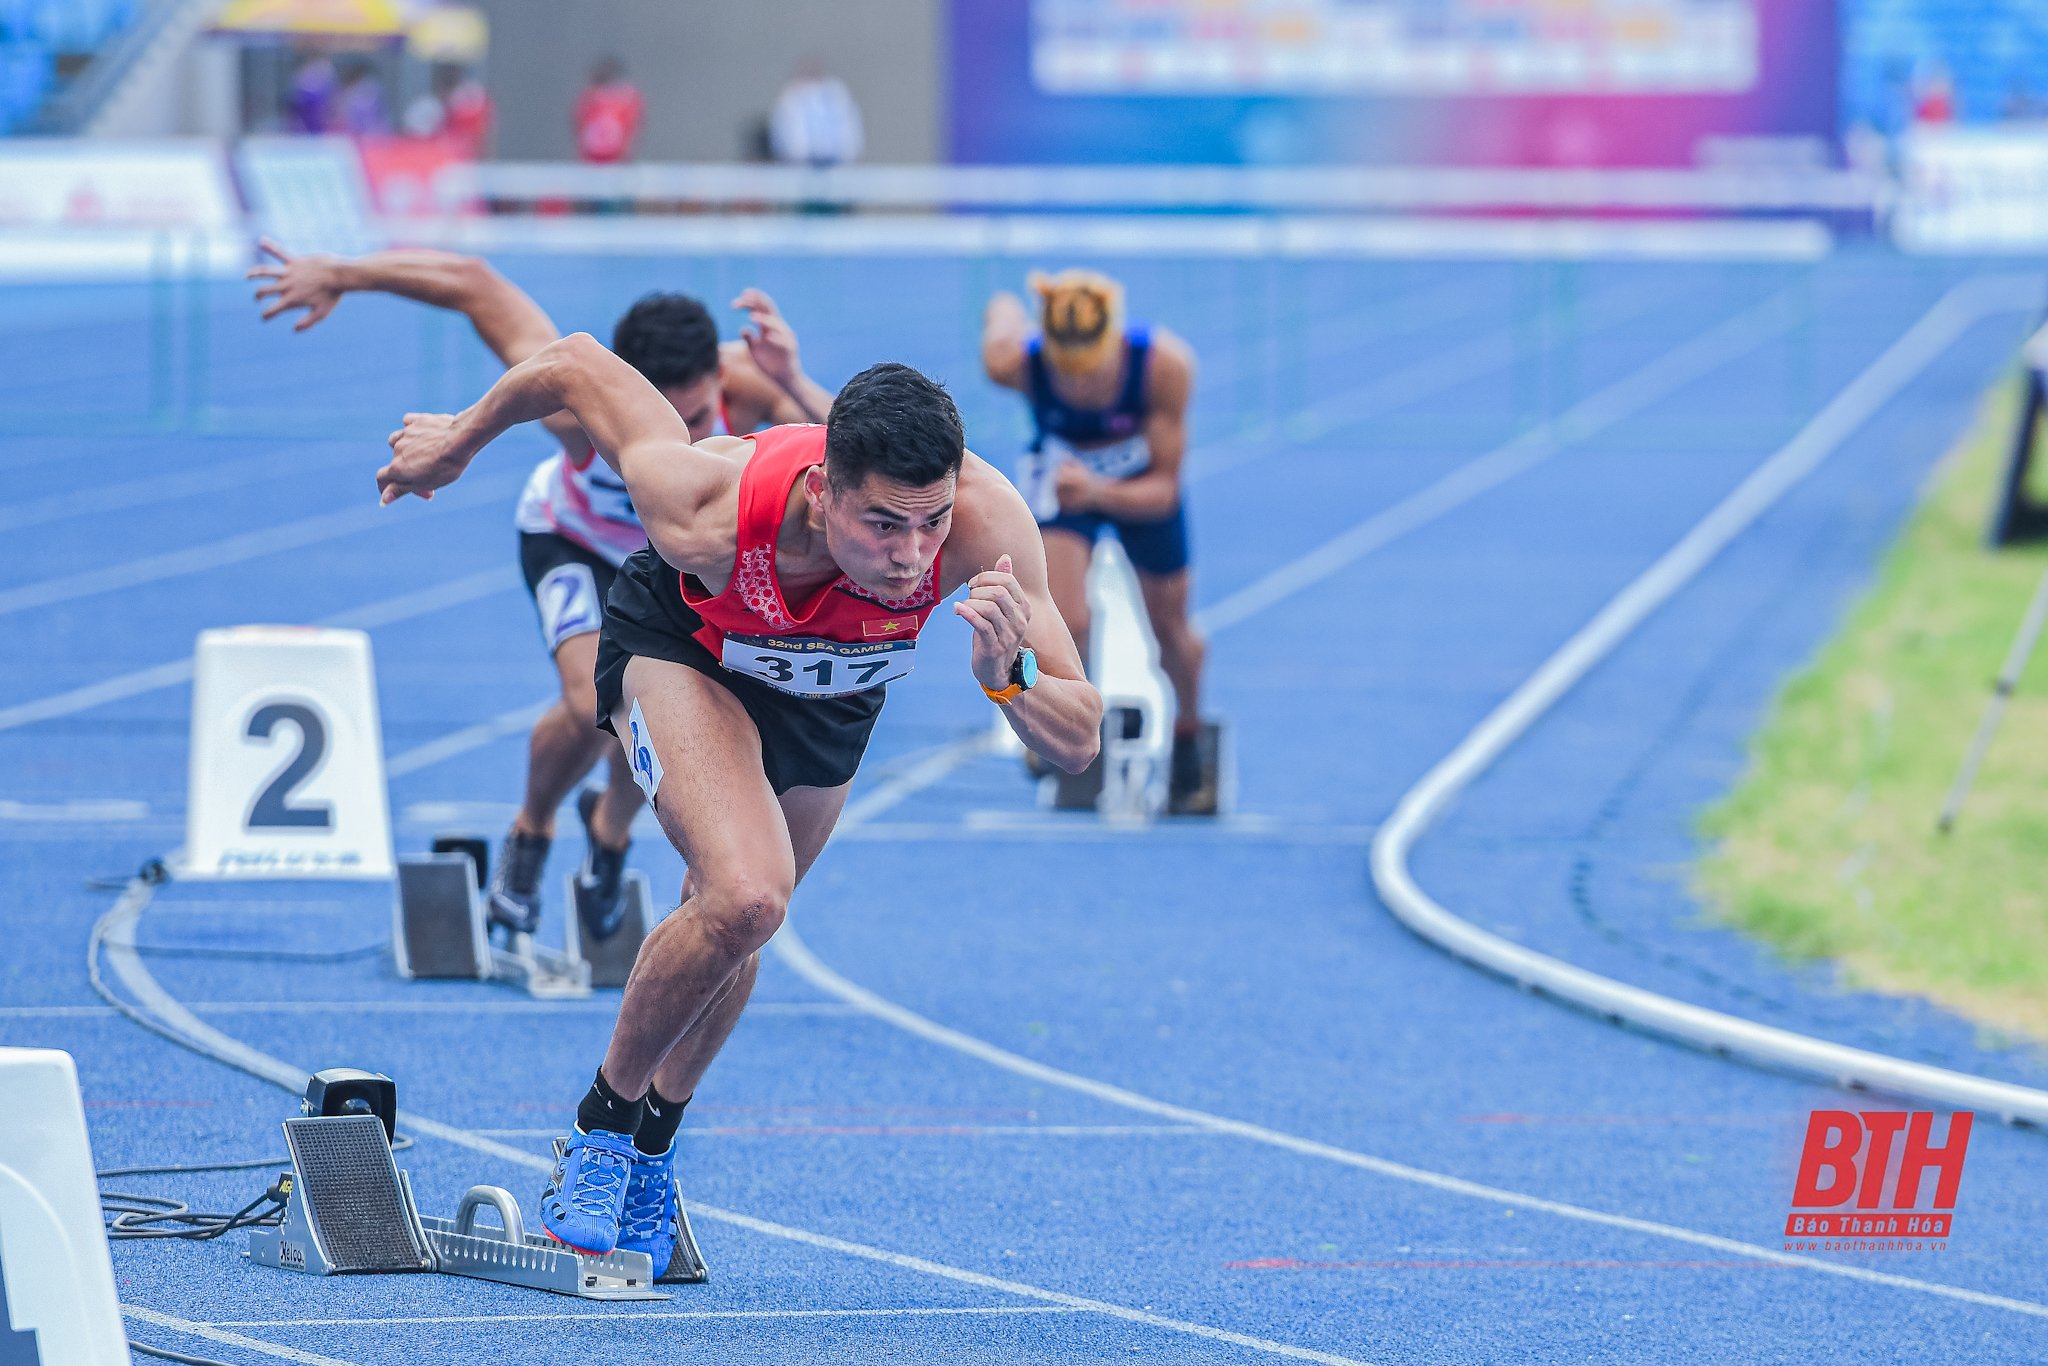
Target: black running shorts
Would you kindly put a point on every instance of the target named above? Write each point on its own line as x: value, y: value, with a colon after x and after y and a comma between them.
x: 805, y: 741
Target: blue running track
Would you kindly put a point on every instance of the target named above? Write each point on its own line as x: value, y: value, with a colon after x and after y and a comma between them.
x: 925, y: 1142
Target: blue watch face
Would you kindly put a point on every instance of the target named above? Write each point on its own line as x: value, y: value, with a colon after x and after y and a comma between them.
x: 1026, y: 671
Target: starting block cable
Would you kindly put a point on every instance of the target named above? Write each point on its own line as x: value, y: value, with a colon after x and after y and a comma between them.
x: 131, y: 1217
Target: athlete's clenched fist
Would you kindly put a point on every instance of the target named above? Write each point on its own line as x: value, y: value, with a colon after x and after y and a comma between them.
x: 999, y: 612
x: 426, y: 454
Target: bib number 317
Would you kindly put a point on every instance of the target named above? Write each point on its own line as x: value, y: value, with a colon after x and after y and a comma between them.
x: 806, y: 667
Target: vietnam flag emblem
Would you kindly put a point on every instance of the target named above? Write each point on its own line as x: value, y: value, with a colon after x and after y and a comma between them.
x: 888, y: 628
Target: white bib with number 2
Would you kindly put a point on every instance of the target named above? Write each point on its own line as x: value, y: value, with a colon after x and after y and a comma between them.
x: 807, y: 667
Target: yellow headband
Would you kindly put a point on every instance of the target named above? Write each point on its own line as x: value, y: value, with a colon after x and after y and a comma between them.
x: 1081, y: 313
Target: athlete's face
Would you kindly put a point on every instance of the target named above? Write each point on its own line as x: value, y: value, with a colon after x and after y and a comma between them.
x: 882, y: 534
x: 696, y: 403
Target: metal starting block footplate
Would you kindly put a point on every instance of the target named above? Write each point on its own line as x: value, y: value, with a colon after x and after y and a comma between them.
x: 610, y: 959
x: 512, y: 1256
x: 439, y: 930
x: 350, y: 1209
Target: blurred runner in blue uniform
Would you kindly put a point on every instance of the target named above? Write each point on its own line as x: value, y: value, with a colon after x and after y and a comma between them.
x: 1109, y: 403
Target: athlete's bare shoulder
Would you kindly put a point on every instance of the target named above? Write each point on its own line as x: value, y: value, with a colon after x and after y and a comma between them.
x: 990, y: 520
x: 1169, y: 368
x: 737, y: 449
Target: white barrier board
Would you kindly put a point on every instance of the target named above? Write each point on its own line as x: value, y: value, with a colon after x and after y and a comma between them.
x: 287, y: 771
x: 54, y: 1268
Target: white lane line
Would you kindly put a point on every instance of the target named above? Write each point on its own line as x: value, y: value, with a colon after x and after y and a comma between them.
x: 1035, y: 826
x: 1960, y: 309
x: 793, y: 952
x: 208, y: 478
x: 1704, y: 354
x: 116, y: 931
x: 383, y: 612
x: 216, y: 1333
x: 801, y: 1130
x: 598, y: 1006
x: 514, y: 722
x: 628, y: 1317
x: 789, y: 946
x: 250, y: 545
x: 77, y: 810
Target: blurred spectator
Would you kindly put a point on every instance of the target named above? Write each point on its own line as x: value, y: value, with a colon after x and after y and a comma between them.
x: 815, y: 121
x: 608, y: 114
x: 312, y: 96
x: 359, y: 108
x: 470, y: 113
x: 458, y: 108
x: 1935, y: 101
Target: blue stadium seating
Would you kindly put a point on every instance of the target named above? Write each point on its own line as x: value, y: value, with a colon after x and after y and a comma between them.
x: 1992, y: 49
x: 34, y: 33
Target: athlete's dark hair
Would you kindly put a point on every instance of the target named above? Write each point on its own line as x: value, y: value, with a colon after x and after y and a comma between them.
x: 892, y: 421
x: 669, y: 338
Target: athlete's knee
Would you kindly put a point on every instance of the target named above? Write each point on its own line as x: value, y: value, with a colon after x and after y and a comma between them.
x: 742, y: 912
x: 579, y: 695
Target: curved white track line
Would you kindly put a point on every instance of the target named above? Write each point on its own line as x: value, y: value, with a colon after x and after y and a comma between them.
x: 163, y: 1014
x: 797, y: 955
x: 214, y: 1332
x: 1958, y: 310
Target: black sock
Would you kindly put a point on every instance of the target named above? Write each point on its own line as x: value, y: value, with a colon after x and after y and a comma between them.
x: 659, y: 1120
x: 604, y: 1108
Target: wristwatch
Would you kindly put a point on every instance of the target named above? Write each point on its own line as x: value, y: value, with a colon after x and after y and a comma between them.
x: 1023, y: 678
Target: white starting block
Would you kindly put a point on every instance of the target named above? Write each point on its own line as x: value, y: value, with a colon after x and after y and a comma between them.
x: 57, y: 1298
x: 440, y: 929
x: 1129, y: 785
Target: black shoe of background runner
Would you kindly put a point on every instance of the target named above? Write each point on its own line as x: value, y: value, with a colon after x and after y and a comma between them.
x: 514, y: 902
x: 599, y: 901
x: 1193, y: 781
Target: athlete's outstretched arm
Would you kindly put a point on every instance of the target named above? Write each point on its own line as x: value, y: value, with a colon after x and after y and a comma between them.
x: 1005, y: 327
x: 505, y: 317
x: 634, y: 428
x: 995, y: 548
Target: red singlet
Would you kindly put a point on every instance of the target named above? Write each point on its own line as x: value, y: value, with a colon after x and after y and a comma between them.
x: 844, y: 639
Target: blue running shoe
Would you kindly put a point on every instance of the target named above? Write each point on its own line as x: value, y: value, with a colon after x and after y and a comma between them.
x: 587, y: 1194
x: 652, y: 1209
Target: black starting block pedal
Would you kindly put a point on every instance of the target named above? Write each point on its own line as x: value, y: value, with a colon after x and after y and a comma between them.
x: 1213, y: 791
x: 1122, y: 781
x: 439, y: 930
x: 609, y: 958
x: 350, y: 1209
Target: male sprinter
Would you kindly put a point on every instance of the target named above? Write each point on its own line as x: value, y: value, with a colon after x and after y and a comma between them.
x: 742, y: 665
x: 1109, y: 406
x: 576, y: 522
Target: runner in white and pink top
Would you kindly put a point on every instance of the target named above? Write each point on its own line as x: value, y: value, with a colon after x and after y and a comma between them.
x: 584, y: 502
x: 576, y: 521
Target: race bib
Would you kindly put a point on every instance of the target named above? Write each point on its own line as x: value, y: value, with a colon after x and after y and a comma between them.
x: 569, y: 605
x: 608, y: 498
x: 1123, y: 459
x: 806, y: 667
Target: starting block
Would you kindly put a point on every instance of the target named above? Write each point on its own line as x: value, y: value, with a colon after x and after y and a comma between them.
x: 350, y: 1209
x: 440, y: 929
x: 609, y: 961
